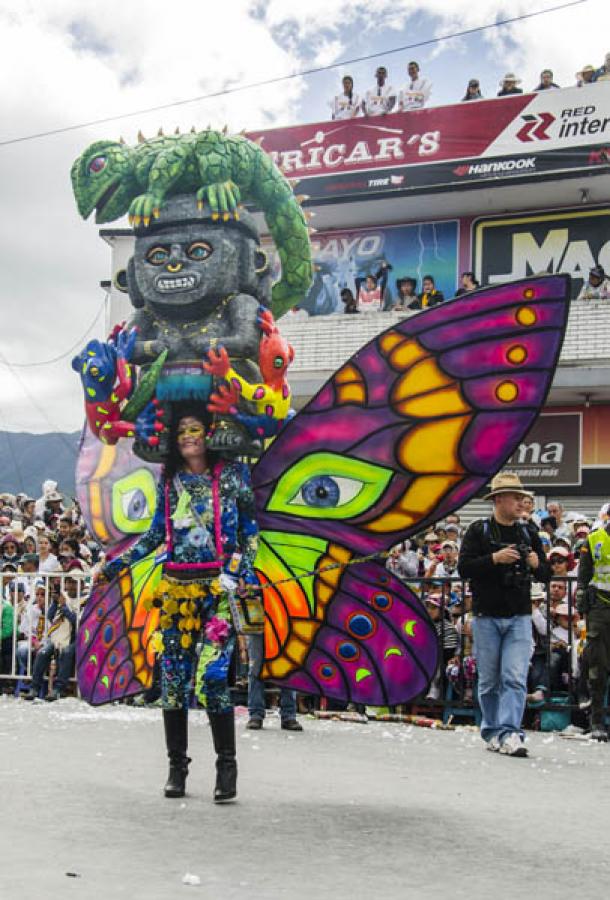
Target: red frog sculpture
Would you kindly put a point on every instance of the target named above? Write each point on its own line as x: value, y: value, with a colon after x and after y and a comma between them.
x: 271, y: 396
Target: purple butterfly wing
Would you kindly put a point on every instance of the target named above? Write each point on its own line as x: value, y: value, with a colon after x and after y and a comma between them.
x: 377, y: 646
x: 104, y: 665
x: 421, y: 417
x: 482, y: 364
x: 114, y: 655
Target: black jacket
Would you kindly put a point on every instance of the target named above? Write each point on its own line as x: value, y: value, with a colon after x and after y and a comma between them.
x: 418, y: 302
x: 491, y: 595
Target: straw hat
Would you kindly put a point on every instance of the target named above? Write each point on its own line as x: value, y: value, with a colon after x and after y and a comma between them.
x: 563, y: 609
x: 510, y: 76
x: 506, y: 483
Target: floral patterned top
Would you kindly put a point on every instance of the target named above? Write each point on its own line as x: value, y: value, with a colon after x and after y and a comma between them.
x: 193, y: 536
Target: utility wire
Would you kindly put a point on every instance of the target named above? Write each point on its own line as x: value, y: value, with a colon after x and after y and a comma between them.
x: 48, y: 362
x: 278, y: 79
x: 40, y: 409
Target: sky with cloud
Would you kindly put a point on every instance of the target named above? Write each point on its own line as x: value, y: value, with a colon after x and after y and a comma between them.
x: 65, y: 62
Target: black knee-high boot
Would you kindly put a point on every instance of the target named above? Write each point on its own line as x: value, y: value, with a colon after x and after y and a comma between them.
x: 175, y: 722
x: 223, y: 733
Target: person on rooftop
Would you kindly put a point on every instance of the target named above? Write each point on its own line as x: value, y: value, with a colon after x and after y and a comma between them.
x: 603, y: 73
x: 407, y: 293
x: 473, y: 90
x: 372, y: 289
x: 417, y: 92
x: 585, y: 76
x: 597, y: 287
x: 546, y: 81
x: 370, y: 295
x: 350, y: 304
x: 429, y: 296
x: 508, y: 85
x: 347, y: 104
x: 381, y: 98
x: 469, y: 283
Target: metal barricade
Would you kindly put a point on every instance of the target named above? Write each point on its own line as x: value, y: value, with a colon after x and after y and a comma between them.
x: 28, y: 602
x: 454, y: 686
x: 453, y: 691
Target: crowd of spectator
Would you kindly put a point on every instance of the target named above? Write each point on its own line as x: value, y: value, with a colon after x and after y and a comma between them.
x: 382, y: 98
x: 373, y: 293
x: 46, y: 555
x: 428, y: 563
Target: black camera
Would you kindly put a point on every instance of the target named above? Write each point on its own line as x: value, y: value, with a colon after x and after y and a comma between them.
x: 518, y: 575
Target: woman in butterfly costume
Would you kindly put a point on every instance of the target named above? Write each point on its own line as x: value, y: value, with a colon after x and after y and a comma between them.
x: 205, y: 515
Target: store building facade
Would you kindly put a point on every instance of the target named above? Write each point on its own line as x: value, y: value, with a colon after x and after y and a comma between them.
x: 506, y: 188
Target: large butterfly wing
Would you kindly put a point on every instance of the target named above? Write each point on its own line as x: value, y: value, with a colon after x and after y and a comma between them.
x: 405, y: 432
x: 114, y: 656
x: 376, y: 644
x: 116, y: 491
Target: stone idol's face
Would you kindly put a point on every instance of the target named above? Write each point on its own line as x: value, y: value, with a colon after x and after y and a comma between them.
x: 184, y: 265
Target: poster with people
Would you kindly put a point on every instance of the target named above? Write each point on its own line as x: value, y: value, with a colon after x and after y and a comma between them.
x: 344, y: 259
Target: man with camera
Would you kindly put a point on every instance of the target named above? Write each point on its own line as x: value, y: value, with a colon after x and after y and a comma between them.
x: 501, y: 556
x: 593, y: 601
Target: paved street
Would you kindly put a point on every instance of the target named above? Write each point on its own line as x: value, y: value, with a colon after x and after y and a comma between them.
x: 340, y: 811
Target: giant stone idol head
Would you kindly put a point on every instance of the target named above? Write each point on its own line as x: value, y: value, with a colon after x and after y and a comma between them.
x: 188, y: 259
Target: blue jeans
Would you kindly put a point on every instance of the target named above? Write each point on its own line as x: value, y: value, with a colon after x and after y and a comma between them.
x: 65, y: 663
x: 502, y: 647
x: 256, y: 687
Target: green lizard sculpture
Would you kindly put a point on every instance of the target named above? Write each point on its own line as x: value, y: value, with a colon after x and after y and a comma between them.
x: 112, y: 178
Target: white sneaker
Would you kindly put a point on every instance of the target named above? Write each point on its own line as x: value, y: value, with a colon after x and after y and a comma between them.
x: 513, y: 745
x: 493, y: 744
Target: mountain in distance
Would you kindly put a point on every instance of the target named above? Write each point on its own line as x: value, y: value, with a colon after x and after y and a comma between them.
x: 26, y: 460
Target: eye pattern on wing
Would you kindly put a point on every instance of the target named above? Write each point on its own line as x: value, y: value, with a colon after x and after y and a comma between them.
x: 114, y: 657
x: 116, y: 491
x: 406, y: 431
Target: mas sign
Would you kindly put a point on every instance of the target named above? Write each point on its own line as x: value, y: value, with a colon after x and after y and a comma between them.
x: 571, y: 242
x: 550, y: 455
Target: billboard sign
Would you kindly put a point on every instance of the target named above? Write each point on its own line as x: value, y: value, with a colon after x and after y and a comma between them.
x: 523, y: 135
x: 568, y: 241
x: 344, y: 258
x: 550, y: 455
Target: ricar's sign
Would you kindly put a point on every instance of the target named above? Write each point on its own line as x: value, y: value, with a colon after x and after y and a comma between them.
x: 397, y: 151
x: 568, y: 241
x: 324, y: 153
x: 524, y: 136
